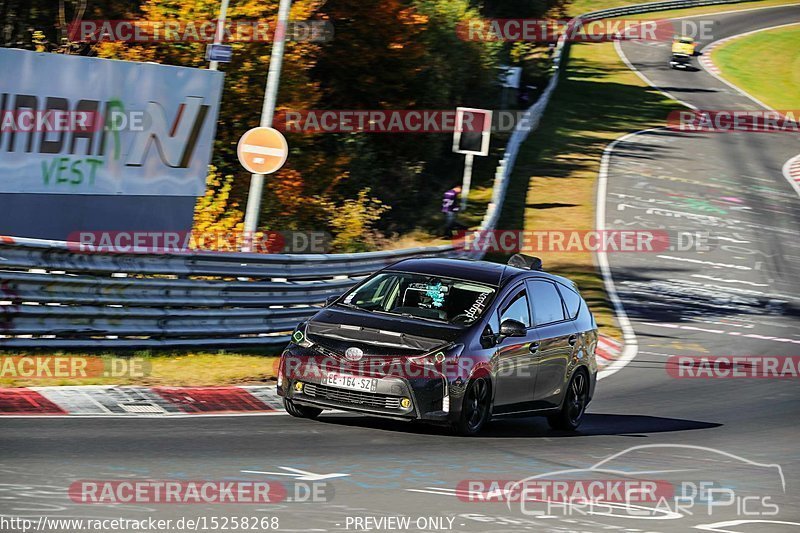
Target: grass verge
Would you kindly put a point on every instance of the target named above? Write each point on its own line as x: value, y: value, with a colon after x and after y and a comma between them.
x: 774, y: 77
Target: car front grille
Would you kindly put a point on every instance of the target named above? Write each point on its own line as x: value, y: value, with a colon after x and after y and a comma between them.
x: 351, y: 397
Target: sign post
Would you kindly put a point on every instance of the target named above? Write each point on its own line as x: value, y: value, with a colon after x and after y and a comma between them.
x: 466, y: 181
x: 471, y: 137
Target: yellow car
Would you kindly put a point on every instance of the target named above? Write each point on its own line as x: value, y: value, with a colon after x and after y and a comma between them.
x: 683, y: 48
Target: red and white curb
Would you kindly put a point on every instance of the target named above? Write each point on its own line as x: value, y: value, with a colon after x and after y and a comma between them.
x: 794, y: 168
x: 705, y: 59
x: 608, y: 350
x: 139, y: 401
x: 791, y: 171
x: 709, y: 65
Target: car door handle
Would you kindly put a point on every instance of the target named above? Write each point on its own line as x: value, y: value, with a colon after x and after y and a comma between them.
x: 534, y: 347
x: 573, y: 339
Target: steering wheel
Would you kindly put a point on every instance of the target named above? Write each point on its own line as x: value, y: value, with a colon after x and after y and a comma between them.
x: 462, y: 318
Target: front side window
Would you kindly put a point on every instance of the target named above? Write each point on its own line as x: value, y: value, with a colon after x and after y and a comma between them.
x: 422, y: 296
x: 517, y: 309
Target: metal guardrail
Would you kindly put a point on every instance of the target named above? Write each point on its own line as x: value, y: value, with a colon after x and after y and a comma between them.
x: 653, y: 7
x: 53, y: 296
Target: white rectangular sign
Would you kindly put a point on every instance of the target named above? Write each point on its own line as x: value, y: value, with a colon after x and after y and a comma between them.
x: 80, y: 125
x: 473, y: 131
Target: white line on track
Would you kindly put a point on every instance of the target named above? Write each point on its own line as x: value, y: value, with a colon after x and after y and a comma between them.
x: 702, y: 262
x: 724, y: 280
x: 628, y: 334
x: 722, y: 332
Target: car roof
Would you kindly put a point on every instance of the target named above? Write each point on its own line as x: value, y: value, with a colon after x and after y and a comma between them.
x: 478, y: 271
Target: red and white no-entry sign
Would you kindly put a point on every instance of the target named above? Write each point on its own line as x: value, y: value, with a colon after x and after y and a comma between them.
x: 262, y: 150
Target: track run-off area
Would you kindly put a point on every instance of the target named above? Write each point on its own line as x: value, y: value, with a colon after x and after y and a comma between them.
x: 734, y: 442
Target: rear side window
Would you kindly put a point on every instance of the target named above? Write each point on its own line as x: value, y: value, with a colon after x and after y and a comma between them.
x: 572, y: 300
x: 547, y: 306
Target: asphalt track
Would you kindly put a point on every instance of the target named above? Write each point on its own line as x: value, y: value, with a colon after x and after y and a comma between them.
x: 739, y: 434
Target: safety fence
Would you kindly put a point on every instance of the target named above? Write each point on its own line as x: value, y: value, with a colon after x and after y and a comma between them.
x: 55, y: 296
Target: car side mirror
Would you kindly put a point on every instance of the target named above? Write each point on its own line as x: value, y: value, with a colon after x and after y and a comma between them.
x: 511, y: 328
x: 330, y: 299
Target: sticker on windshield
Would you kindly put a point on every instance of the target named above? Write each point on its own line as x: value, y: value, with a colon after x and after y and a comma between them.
x: 477, y: 308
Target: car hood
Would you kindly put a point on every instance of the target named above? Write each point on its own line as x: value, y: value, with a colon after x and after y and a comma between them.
x: 338, y: 329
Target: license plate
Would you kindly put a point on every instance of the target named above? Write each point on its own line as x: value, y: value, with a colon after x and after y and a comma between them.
x: 347, y: 381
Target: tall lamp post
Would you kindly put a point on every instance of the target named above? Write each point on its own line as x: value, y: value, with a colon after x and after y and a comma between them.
x: 267, y: 113
x: 223, y: 14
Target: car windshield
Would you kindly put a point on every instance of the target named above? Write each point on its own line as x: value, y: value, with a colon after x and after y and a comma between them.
x: 422, y: 296
x: 687, y: 41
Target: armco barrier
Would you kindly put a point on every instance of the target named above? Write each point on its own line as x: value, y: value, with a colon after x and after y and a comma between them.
x: 52, y: 296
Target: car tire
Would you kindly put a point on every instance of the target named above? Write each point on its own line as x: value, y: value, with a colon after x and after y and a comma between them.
x: 475, y: 408
x: 574, y: 406
x: 300, y: 411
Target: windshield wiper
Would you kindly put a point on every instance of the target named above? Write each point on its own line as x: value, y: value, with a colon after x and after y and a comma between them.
x: 351, y: 306
x: 409, y: 315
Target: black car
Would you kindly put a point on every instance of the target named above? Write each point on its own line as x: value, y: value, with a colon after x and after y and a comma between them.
x: 448, y: 341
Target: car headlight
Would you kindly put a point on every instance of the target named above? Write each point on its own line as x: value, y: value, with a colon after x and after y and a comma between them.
x: 299, y: 336
x: 439, y: 356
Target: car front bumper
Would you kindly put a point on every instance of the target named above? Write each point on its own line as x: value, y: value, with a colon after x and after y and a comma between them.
x: 680, y: 61
x: 426, y: 398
